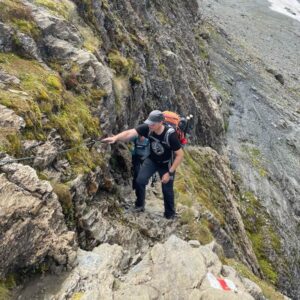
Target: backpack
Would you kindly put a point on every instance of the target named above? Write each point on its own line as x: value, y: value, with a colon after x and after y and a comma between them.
x: 141, y: 148
x: 177, y: 124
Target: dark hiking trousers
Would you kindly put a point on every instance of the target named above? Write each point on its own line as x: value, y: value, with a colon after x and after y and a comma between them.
x: 136, y: 165
x: 146, y: 171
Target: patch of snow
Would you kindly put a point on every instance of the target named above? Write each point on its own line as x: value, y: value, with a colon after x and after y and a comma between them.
x: 290, y: 8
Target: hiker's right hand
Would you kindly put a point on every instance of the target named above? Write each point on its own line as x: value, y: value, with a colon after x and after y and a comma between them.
x: 110, y: 140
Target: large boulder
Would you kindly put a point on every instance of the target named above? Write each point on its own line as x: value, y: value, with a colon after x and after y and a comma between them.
x: 32, y: 227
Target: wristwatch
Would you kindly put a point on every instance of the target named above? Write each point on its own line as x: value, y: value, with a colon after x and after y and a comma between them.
x: 171, y: 173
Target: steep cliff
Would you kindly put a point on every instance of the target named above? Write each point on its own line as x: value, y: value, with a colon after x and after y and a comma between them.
x: 71, y: 72
x: 253, y: 67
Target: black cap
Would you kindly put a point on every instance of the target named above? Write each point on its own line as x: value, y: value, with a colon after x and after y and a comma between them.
x: 156, y: 116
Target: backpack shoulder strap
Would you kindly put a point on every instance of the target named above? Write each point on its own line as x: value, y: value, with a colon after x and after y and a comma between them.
x: 167, y: 135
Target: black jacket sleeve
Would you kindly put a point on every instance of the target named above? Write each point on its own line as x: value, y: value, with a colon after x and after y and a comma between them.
x: 143, y: 130
x: 174, y: 142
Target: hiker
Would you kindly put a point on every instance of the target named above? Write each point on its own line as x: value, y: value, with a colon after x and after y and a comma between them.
x: 165, y: 157
x: 139, y: 153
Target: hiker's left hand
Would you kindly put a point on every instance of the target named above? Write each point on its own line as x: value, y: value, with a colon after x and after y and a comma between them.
x: 166, y: 177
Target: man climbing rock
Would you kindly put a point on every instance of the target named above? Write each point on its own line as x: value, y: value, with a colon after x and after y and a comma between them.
x: 165, y: 156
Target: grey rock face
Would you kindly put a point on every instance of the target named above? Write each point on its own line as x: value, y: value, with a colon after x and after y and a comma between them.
x: 170, y: 69
x: 172, y: 270
x: 29, y: 47
x: 9, y: 119
x: 6, y: 78
x: 31, y: 222
x: 99, y: 222
x: 6, y: 34
x: 63, y: 43
x: 47, y: 152
x: 253, y: 289
x: 55, y: 26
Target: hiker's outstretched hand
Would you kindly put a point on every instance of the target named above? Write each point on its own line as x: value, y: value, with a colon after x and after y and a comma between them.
x: 109, y: 140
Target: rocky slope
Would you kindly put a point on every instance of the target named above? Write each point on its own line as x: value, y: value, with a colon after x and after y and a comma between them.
x: 71, y: 72
x: 254, y: 70
x: 172, y: 270
x: 32, y: 225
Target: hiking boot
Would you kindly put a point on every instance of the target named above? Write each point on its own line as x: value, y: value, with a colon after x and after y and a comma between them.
x: 170, y: 217
x: 137, y: 209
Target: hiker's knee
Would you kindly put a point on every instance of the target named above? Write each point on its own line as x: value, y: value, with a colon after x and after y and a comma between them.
x: 141, y: 180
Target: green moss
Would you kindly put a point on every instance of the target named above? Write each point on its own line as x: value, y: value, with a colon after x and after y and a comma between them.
x: 268, y: 270
x: 88, y: 11
x: 45, y: 101
x: 184, y: 198
x: 67, y: 128
x: 187, y: 217
x: 40, y: 85
x: 15, y: 147
x: 256, y: 159
x: 226, y: 125
x: 267, y: 288
x: 97, y: 94
x: 136, y: 79
x: 118, y: 62
x: 42, y: 92
x: 14, y: 10
x: 139, y: 41
x: 10, y: 142
x: 121, y: 37
x: 196, y: 230
x: 91, y: 42
x: 77, y: 296
x: 43, y: 95
x: 163, y: 70
x: 203, y: 50
x: 4, y: 292
x: 54, y: 82
x: 201, y: 232
x: 64, y: 196
x: 60, y: 8
x: 275, y: 241
x: 105, y: 4
x: 42, y: 176
x: 74, y: 121
x: 29, y: 134
x: 19, y: 16
x: 195, y: 177
x: 162, y: 18
x: 80, y: 160
x: 261, y: 233
x: 196, y: 183
x: 27, y: 27
x: 5, y: 286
